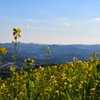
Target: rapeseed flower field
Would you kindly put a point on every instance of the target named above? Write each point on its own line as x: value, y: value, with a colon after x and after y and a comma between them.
x: 76, y: 80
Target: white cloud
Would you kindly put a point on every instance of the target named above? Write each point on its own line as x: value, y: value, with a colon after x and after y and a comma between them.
x: 31, y: 27
x: 96, y: 19
x: 29, y: 19
x: 33, y: 20
x: 64, y: 24
x: 27, y: 26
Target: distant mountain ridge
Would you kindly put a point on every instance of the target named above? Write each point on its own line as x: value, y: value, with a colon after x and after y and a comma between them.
x: 59, y: 53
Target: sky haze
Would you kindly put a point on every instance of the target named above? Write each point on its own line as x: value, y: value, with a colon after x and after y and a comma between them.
x: 51, y: 21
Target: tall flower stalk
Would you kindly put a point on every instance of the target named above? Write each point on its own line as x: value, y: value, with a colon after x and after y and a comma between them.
x: 48, y: 51
x: 16, y: 34
x: 30, y: 82
x: 29, y: 62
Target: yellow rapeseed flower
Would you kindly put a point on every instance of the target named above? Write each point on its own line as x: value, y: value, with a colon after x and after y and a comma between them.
x: 12, y: 69
x: 18, y: 30
x: 41, y: 68
x: 70, y: 85
x: 3, y: 50
x: 29, y: 61
x: 15, y: 99
x: 16, y: 33
x: 57, y: 91
x: 92, y: 89
x: 62, y: 93
x: 21, y: 93
x: 52, y: 77
x: 19, y: 35
x: 65, y: 83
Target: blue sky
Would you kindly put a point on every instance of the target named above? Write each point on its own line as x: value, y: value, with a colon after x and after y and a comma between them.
x: 51, y: 21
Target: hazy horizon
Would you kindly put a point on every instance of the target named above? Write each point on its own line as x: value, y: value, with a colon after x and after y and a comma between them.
x: 48, y: 43
x: 51, y: 21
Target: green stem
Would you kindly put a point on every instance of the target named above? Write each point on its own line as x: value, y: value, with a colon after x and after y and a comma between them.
x: 47, y: 58
x: 15, y: 52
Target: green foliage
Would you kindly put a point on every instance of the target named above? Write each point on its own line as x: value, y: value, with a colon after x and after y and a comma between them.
x: 76, y: 80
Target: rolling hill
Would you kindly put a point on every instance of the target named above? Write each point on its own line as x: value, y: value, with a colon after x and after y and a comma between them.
x: 59, y: 53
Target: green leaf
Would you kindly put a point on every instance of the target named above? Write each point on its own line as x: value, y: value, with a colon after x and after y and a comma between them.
x: 31, y: 84
x: 68, y: 96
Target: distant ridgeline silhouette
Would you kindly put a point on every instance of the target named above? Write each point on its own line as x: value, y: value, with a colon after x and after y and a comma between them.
x: 59, y: 53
